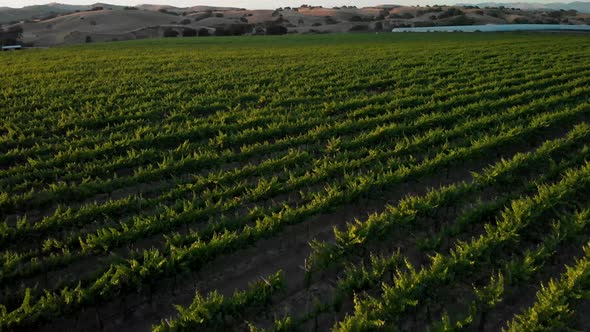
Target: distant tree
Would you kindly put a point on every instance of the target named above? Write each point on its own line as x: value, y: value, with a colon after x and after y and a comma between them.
x: 221, y: 31
x: 424, y: 24
x: 165, y: 11
x: 188, y: 32
x: 275, y: 29
x: 11, y: 35
x: 359, y: 28
x: 169, y: 33
x: 88, y: 39
x: 185, y: 21
x: 233, y: 30
x: 203, y: 32
x: 451, y: 12
x: 330, y: 20
x: 94, y: 9
x: 461, y: 20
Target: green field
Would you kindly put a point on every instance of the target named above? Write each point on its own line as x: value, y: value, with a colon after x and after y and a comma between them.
x: 353, y: 182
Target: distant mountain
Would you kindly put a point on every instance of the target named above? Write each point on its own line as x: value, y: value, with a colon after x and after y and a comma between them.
x: 156, y: 7
x: 13, y: 15
x: 582, y: 7
x: 61, y: 6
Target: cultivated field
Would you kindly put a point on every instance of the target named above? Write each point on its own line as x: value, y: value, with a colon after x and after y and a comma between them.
x: 353, y: 182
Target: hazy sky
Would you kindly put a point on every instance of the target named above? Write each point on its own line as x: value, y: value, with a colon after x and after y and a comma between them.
x: 267, y: 4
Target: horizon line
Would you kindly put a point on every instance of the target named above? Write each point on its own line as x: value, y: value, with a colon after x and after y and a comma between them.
x: 89, y: 3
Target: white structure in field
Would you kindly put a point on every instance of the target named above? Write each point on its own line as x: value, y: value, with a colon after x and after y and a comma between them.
x: 497, y: 28
x: 11, y: 48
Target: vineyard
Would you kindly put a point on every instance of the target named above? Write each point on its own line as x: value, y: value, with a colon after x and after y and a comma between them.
x: 360, y: 182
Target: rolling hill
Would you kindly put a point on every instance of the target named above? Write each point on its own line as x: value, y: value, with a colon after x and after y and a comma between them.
x: 56, y: 24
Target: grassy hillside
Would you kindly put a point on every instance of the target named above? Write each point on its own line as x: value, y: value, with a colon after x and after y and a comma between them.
x: 28, y: 13
x: 442, y: 181
x: 112, y: 23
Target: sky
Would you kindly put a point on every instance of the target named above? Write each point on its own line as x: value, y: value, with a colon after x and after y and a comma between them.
x: 255, y: 4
